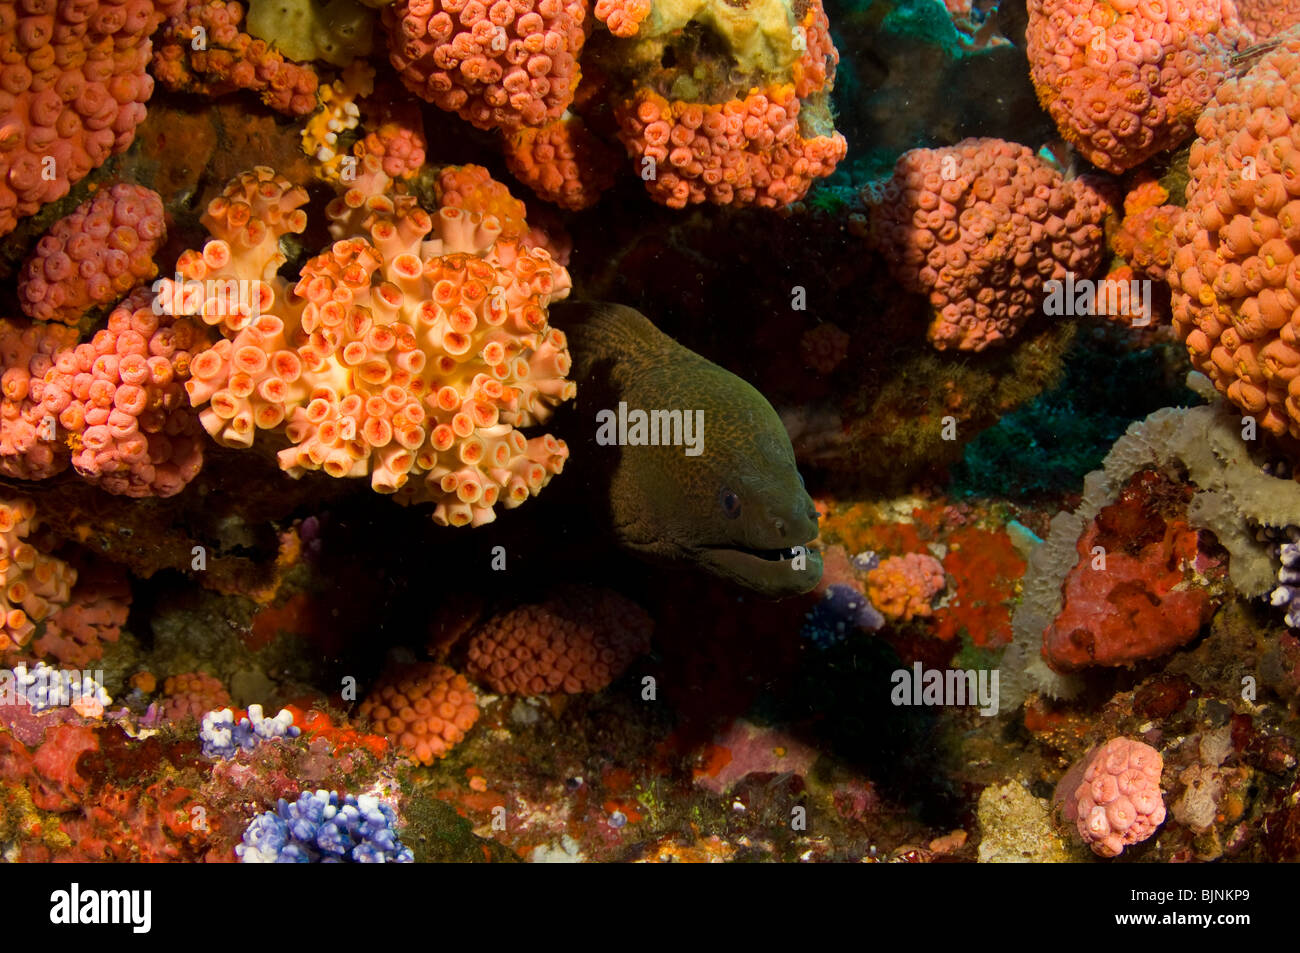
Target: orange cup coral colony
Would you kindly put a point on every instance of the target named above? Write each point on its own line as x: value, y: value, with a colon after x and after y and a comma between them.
x: 32, y: 585
x: 427, y: 708
x: 415, y: 346
x: 1235, y: 273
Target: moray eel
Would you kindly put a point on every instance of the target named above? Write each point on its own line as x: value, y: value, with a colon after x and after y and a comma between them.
x: 726, y: 497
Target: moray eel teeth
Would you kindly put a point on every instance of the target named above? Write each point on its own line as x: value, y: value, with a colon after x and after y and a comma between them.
x: 767, y: 570
x: 769, y: 554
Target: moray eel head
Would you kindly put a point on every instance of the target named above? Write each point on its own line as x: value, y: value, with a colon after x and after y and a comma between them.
x: 758, y: 530
x: 736, y: 507
x: 738, y: 510
x: 726, y: 497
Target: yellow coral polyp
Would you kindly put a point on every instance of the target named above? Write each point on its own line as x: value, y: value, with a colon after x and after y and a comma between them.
x: 338, y: 115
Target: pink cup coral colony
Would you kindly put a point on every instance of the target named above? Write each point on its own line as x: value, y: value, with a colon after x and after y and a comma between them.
x: 350, y: 303
x: 1117, y: 801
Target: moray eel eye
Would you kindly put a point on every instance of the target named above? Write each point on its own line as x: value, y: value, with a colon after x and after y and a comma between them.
x: 730, y: 503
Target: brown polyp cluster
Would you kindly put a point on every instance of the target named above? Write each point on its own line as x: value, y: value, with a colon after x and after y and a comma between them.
x: 397, y: 139
x: 824, y: 347
x: 1145, y: 238
x: 95, y: 614
x: 120, y: 400
x: 747, y: 151
x: 30, y: 448
x: 622, y: 17
x: 814, y: 72
x: 1114, y: 795
x: 1235, y: 274
x: 192, y: 695
x: 1265, y: 19
x: 578, y: 641
x: 562, y: 162
x: 230, y: 59
x: 425, y: 708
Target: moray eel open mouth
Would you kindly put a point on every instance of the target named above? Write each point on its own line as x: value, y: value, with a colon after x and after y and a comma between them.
x: 771, y: 555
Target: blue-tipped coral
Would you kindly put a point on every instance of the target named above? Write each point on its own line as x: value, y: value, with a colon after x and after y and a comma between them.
x: 324, y: 828
x: 45, y: 687
x: 1287, y: 593
x: 223, y: 736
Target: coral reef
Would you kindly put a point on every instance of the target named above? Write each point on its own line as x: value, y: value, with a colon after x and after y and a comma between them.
x: 222, y: 642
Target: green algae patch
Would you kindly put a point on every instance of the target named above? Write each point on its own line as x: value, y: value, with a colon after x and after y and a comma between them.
x: 436, y: 833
